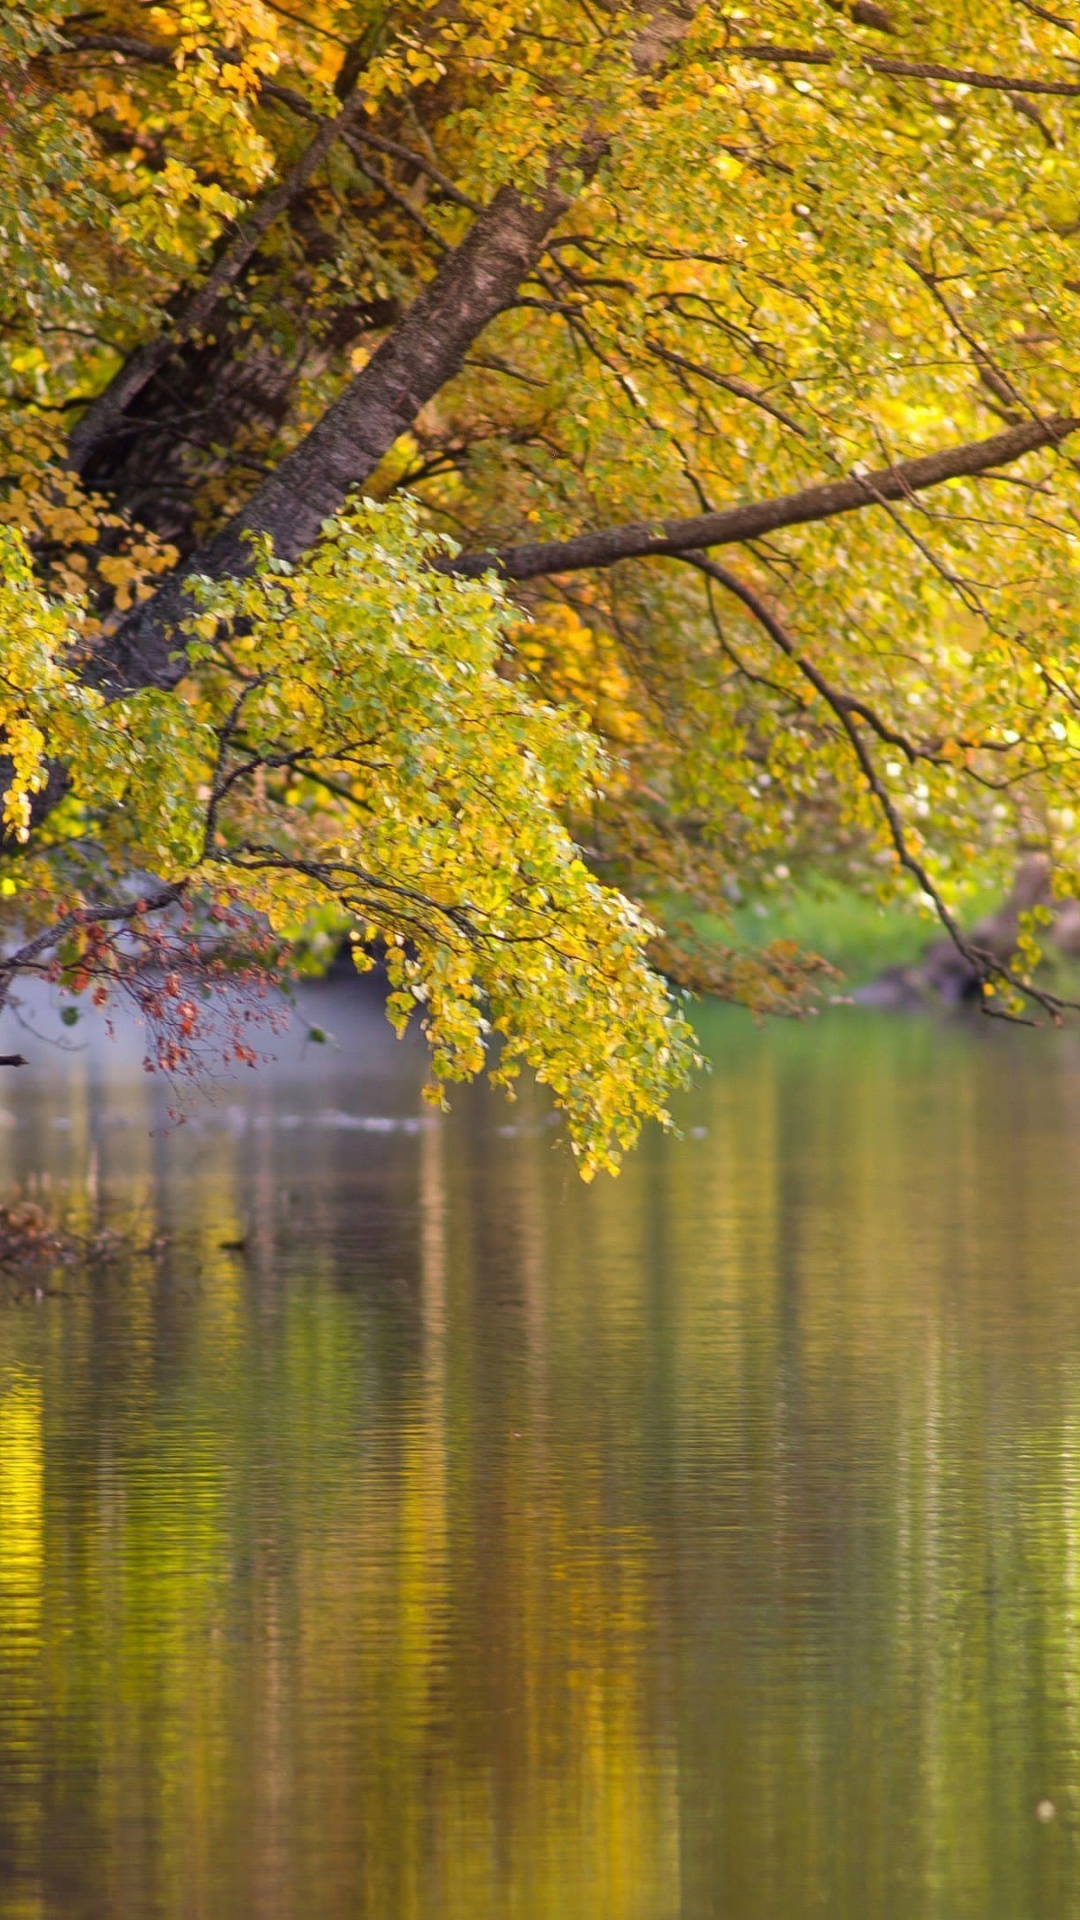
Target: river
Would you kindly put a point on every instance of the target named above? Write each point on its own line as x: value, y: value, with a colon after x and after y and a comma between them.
x: 420, y: 1535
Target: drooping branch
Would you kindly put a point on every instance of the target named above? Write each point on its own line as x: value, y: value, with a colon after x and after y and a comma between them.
x: 987, y: 970
x: 17, y: 961
x: 733, y: 525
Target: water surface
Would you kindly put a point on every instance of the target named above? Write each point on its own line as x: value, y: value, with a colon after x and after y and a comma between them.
x: 470, y: 1545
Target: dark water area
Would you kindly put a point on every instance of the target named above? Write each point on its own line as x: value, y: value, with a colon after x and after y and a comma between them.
x: 699, y: 1546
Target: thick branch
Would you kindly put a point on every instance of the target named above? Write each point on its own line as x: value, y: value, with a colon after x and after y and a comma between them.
x: 426, y: 349
x: 751, y: 522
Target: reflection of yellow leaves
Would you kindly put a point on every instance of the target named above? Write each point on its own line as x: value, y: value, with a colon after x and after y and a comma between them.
x: 20, y: 1486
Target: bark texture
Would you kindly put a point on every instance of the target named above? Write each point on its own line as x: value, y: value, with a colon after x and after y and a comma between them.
x: 206, y: 416
x: 735, y: 524
x: 473, y: 285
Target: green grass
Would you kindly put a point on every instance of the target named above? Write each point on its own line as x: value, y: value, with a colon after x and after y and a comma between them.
x: 854, y: 933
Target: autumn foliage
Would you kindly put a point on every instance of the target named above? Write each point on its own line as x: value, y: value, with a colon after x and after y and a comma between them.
x: 385, y: 388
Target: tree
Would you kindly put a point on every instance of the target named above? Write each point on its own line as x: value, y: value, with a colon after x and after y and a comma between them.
x: 383, y: 384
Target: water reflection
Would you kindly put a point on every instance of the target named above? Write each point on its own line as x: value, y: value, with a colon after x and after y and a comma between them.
x: 468, y: 1543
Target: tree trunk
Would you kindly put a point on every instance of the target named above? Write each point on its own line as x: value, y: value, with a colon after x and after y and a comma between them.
x: 105, y: 415
x: 425, y: 350
x: 209, y: 408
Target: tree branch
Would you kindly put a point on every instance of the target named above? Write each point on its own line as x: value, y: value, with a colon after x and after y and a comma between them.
x: 733, y: 525
x: 104, y: 414
x: 909, y: 69
x: 473, y: 284
x: 149, y: 53
x: 985, y: 968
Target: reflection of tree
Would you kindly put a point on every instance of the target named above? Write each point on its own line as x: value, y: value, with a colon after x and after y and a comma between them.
x: 21, y: 1768
x: 321, y: 1637
x: 706, y: 1544
x: 877, y: 1404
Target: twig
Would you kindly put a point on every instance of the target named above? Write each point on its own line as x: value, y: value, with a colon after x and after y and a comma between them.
x: 984, y: 967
